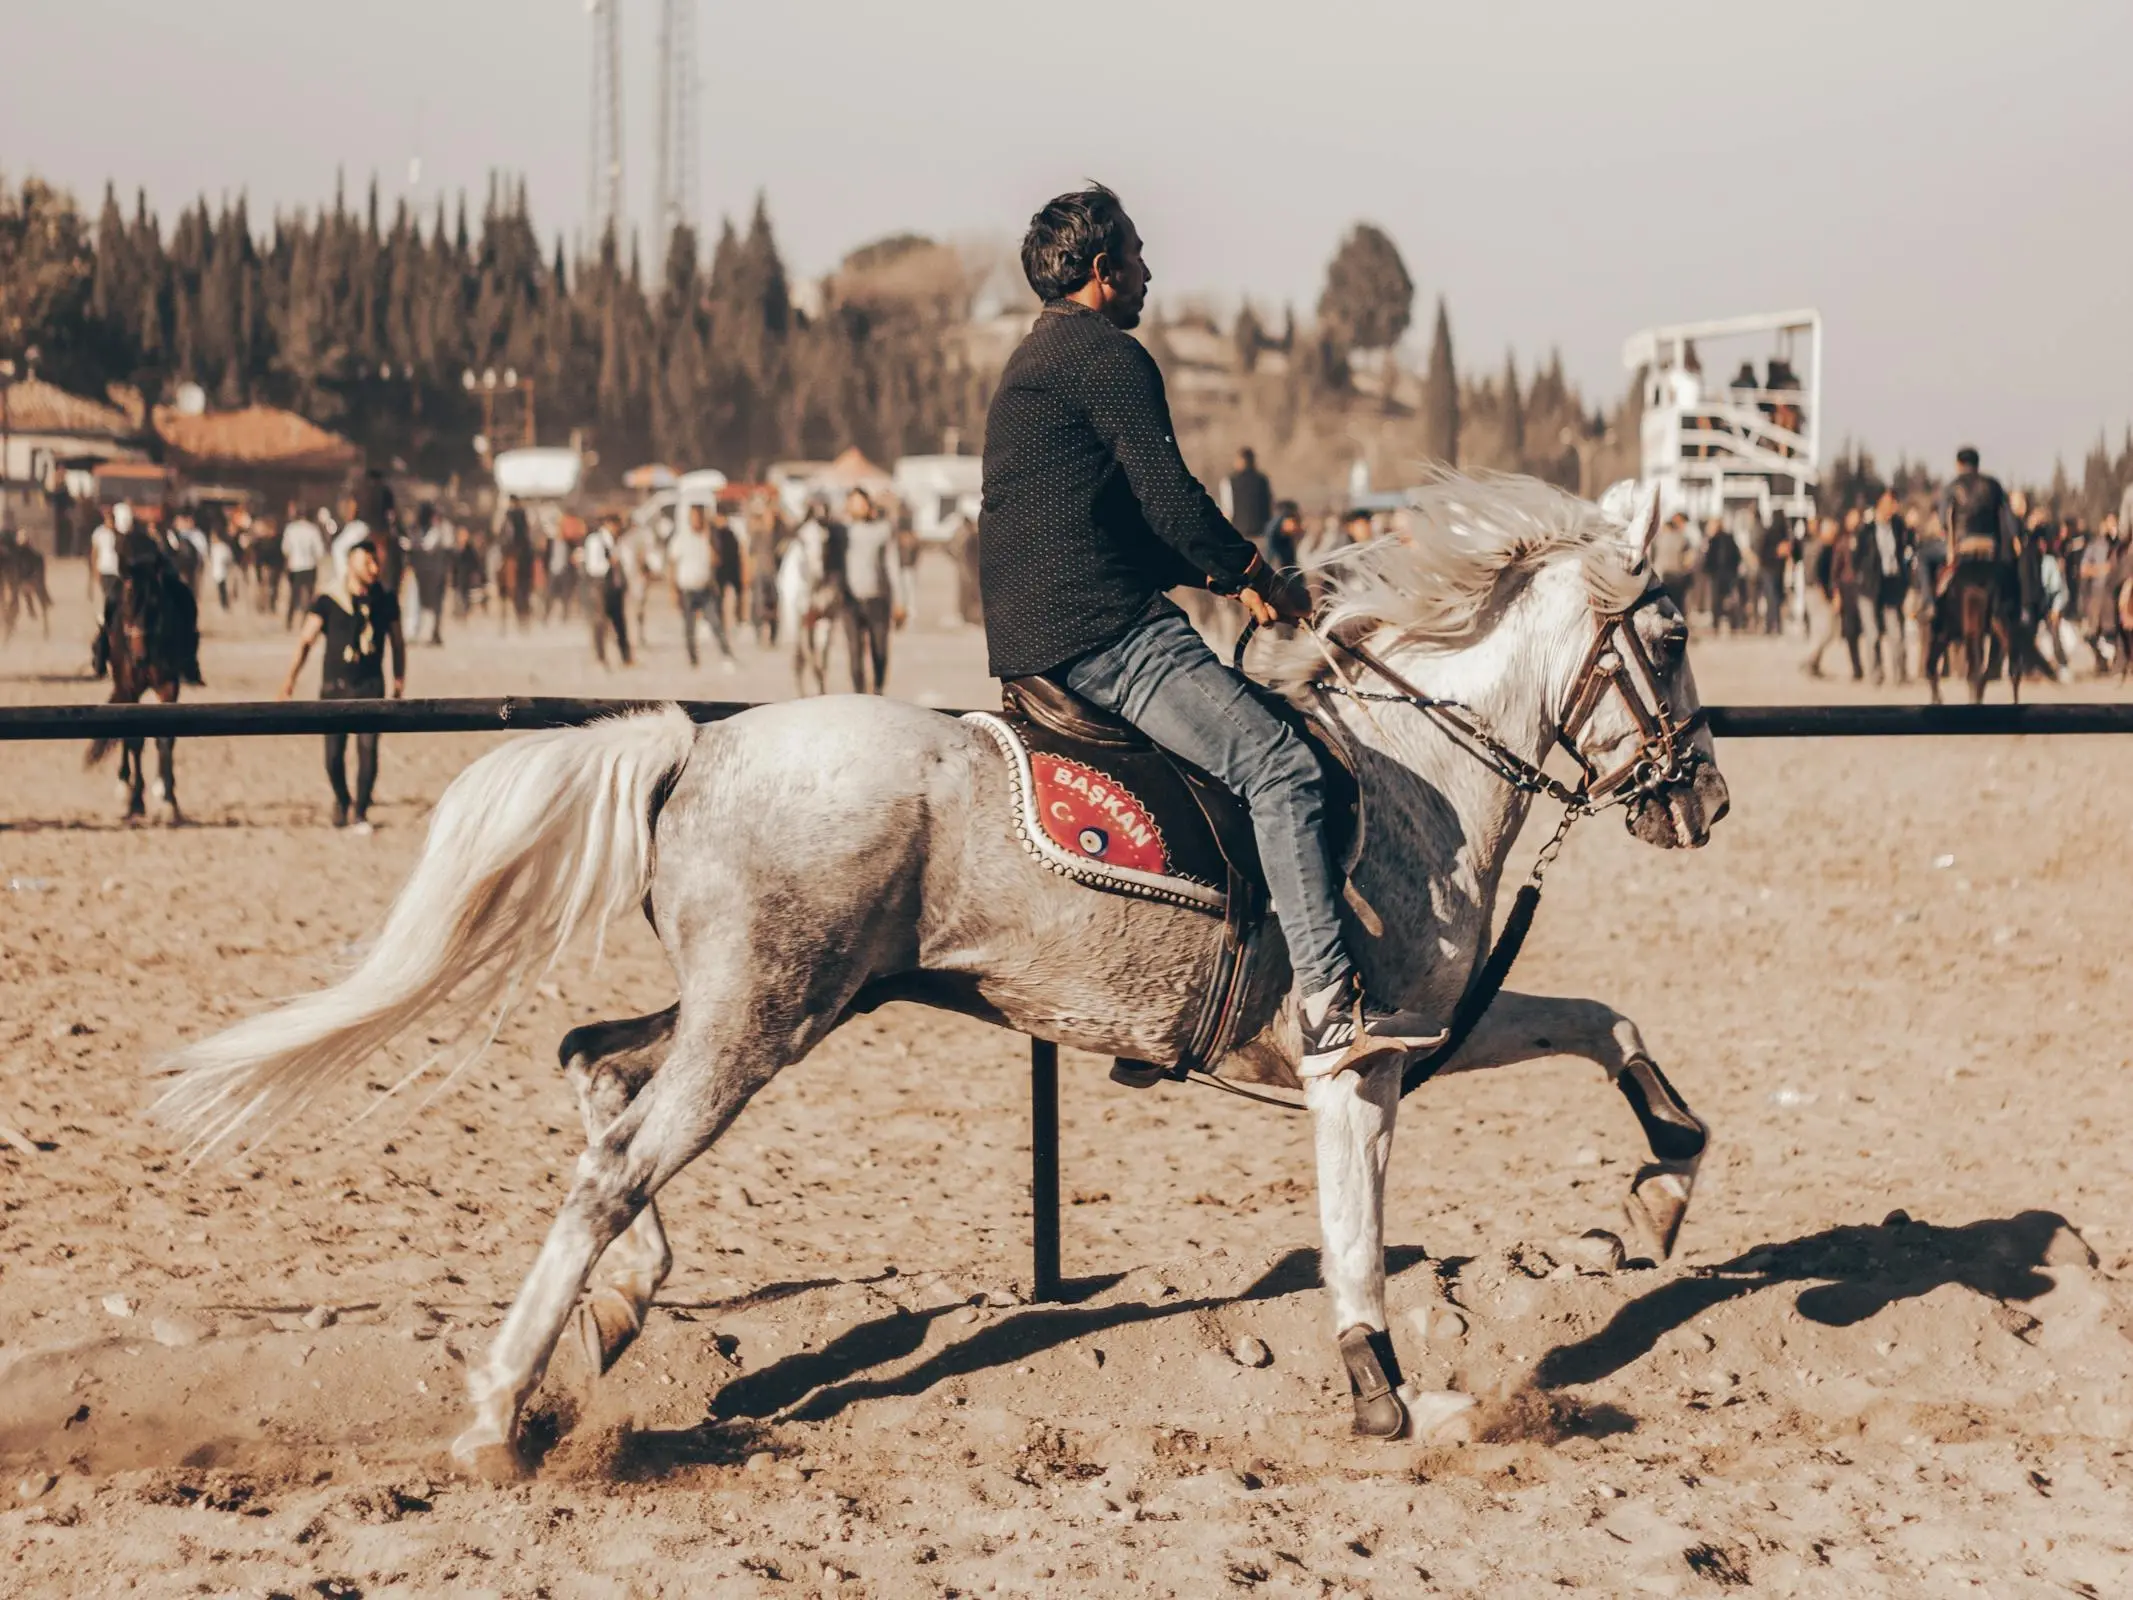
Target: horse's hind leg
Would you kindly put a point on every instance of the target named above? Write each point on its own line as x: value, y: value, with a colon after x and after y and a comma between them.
x: 608, y: 1063
x: 719, y: 1057
x: 1523, y: 1027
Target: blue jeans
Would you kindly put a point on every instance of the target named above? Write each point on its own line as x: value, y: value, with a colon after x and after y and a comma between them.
x: 1162, y: 678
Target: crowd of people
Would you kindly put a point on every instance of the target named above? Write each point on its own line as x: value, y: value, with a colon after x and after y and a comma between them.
x: 1862, y: 582
x: 362, y: 582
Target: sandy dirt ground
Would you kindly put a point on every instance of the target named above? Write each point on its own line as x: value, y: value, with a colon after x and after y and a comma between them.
x: 1894, y: 1356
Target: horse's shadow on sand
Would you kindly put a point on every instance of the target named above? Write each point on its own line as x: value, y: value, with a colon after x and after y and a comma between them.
x: 1853, y: 1273
x: 815, y: 1385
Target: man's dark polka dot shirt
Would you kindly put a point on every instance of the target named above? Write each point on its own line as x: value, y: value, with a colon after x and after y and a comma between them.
x: 1089, y: 513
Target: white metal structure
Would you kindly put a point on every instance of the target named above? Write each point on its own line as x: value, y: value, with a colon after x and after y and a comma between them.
x: 1719, y: 436
x: 603, y: 167
x: 676, y: 188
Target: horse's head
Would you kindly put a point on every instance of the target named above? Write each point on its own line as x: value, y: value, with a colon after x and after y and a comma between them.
x: 1630, y: 714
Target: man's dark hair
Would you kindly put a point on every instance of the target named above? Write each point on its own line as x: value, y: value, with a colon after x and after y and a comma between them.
x: 1967, y: 456
x: 1059, y: 252
x: 364, y: 545
x: 1248, y: 456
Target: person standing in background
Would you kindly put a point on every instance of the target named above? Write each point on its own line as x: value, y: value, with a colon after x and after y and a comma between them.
x: 766, y: 546
x: 1248, y: 498
x: 1773, y: 549
x: 359, y: 624
x: 303, y: 547
x: 1851, y: 582
x: 1721, y: 574
x: 221, y: 563
x: 2098, y: 600
x: 963, y: 551
x: 1822, y: 596
x: 870, y: 610
x: 1929, y: 558
x: 1283, y: 537
x: 432, y: 560
x: 1889, y: 538
x: 692, y: 567
x: 104, y: 551
x: 731, y: 573
x: 903, y: 575
x: 600, y: 559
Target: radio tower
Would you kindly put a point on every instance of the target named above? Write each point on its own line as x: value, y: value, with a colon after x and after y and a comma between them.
x: 677, y: 117
x: 603, y: 200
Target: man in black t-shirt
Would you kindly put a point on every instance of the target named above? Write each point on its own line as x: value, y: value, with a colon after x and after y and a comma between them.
x: 357, y: 625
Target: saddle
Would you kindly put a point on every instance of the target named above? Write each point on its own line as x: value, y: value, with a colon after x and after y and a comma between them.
x: 1099, y: 803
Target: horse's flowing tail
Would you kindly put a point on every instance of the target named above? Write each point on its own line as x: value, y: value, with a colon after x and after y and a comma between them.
x: 527, y: 846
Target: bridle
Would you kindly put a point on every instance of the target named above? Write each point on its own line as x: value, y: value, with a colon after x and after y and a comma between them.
x: 1617, y: 663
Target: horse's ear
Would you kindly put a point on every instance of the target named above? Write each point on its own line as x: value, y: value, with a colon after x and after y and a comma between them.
x: 1644, y: 528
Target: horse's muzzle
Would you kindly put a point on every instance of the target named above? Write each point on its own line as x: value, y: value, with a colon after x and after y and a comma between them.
x: 1681, y: 815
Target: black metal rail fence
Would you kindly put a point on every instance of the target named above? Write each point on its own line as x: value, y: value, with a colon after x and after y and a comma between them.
x: 517, y: 714
x: 513, y: 714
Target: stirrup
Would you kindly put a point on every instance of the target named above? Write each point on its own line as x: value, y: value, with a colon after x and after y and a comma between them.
x: 1131, y: 1074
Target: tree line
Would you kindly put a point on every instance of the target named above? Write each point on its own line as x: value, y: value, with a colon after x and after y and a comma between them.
x: 368, y: 323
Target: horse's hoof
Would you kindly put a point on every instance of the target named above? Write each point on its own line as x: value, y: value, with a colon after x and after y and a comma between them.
x: 607, y: 1323
x: 1657, y: 1205
x: 480, y: 1455
x: 1440, y: 1416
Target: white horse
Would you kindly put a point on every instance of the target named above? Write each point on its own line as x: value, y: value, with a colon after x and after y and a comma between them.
x: 810, y: 603
x: 807, y: 861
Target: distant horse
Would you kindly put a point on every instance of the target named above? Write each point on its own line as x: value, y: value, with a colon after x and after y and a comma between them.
x: 148, y: 644
x: 1978, y: 611
x: 22, y: 586
x: 516, y: 565
x: 810, y: 605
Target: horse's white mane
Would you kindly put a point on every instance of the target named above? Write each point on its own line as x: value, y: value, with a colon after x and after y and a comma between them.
x: 1435, y: 582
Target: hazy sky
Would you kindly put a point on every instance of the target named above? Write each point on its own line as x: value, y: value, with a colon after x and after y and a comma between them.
x: 1948, y: 182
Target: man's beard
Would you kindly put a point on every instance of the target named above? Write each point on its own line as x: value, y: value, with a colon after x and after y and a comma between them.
x: 1127, y: 316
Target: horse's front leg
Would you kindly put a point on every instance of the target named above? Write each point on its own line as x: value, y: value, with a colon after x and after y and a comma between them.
x: 1525, y: 1027
x: 1353, y: 1114
x: 134, y: 768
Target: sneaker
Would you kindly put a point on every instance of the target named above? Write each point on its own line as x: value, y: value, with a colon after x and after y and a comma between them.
x: 1341, y: 1029
x: 340, y: 813
x: 362, y: 828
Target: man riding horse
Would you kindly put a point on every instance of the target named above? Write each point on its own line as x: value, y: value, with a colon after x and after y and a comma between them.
x: 1090, y: 515
x: 147, y: 562
x: 1981, y: 526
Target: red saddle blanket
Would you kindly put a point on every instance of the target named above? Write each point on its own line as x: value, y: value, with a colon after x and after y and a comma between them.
x: 1130, y: 821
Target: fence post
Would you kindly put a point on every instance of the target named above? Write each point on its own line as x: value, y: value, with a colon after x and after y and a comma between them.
x: 1044, y: 1169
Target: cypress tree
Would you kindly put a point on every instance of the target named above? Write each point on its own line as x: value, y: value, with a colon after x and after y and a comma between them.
x: 1440, y: 395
